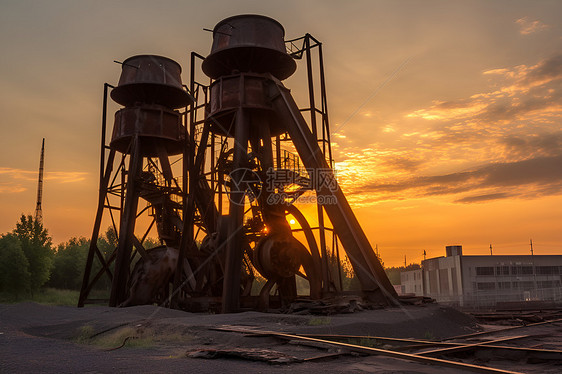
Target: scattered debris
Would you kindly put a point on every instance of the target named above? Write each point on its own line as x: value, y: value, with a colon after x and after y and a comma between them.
x: 517, y: 317
x: 340, y: 305
x: 253, y: 354
x: 415, y: 300
x: 377, y: 351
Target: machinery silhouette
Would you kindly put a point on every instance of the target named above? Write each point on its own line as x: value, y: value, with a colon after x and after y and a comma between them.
x: 223, y: 168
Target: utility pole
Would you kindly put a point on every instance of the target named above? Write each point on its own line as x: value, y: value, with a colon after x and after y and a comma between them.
x: 424, y: 254
x: 38, y: 210
x: 534, y: 271
x: 404, y: 261
x: 491, y: 250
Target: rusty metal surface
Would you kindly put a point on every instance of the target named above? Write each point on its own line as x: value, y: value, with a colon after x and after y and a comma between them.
x: 245, y: 101
x: 278, y: 256
x: 249, y: 43
x: 151, y: 79
x: 229, y: 93
x: 375, y: 284
x: 154, y: 124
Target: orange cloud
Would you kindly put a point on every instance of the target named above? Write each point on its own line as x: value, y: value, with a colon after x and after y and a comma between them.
x: 9, y: 188
x: 498, y: 143
x: 9, y: 178
x: 536, y: 89
x: 526, y: 26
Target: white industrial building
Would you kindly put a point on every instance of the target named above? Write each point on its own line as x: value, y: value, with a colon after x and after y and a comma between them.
x: 481, y: 281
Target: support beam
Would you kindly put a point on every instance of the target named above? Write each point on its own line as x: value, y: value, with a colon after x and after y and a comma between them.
x: 127, y: 228
x: 234, y: 247
x: 368, y: 269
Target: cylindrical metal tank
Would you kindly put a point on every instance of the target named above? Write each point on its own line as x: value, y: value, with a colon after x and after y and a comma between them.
x: 248, y: 91
x: 151, y: 79
x: 154, y: 124
x: 249, y: 43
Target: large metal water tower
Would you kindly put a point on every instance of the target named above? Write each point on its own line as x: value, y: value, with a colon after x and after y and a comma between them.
x: 146, y: 132
x: 249, y: 159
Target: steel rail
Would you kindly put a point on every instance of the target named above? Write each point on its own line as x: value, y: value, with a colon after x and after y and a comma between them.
x: 464, y: 347
x: 427, y: 343
x: 375, y: 351
x: 501, y: 330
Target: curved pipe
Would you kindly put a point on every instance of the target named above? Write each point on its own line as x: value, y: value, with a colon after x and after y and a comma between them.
x: 307, y: 230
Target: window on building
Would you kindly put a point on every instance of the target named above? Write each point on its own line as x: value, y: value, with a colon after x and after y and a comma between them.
x: 547, y: 284
x: 522, y: 270
x: 527, y: 285
x: 504, y: 285
x: 502, y: 270
x: 485, y: 270
x: 547, y: 270
x: 485, y: 286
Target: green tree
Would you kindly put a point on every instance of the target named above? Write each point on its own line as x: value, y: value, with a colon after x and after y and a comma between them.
x: 68, y: 264
x: 150, y: 243
x: 36, y: 245
x: 15, y: 278
x: 108, y: 242
x: 393, y: 273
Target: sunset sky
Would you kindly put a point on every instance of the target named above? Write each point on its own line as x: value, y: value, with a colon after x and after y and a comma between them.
x: 446, y: 115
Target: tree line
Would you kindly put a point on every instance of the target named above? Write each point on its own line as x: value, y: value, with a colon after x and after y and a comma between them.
x: 29, y: 260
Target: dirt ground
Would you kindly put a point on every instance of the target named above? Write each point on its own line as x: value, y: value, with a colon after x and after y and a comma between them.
x: 54, y: 339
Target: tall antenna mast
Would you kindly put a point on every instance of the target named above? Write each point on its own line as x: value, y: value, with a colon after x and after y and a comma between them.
x: 38, y: 211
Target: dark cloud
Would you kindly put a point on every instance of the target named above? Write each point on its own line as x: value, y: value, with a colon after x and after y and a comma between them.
x: 540, y: 170
x: 550, y: 68
x: 536, y: 100
x: 523, y: 146
x: 402, y: 163
x: 542, y: 175
x: 481, y: 198
x: 545, y: 144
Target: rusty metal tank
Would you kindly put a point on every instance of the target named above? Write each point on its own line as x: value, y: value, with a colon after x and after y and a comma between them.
x: 151, y: 79
x: 249, y: 43
x: 156, y: 126
x: 248, y: 91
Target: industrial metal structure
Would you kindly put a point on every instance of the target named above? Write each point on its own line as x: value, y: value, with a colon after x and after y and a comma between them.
x: 228, y: 208
x: 38, y: 208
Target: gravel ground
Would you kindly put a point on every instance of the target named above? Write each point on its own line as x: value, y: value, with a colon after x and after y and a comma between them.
x: 53, y: 339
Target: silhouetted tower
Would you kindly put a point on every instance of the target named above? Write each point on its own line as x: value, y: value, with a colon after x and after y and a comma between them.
x: 248, y: 155
x: 38, y: 210
x: 148, y: 129
x: 249, y: 104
